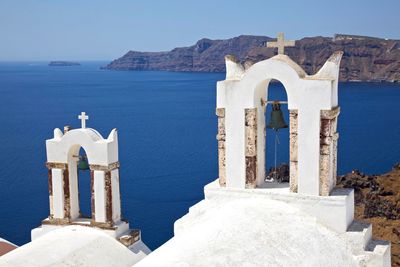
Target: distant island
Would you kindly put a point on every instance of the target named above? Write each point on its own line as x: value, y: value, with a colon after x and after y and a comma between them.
x: 63, y: 63
x: 365, y: 59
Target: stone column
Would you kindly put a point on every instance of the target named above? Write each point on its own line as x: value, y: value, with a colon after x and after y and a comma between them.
x: 293, y: 149
x: 221, y: 146
x: 251, y: 147
x: 108, y: 193
x: 105, y: 195
x: 59, y: 193
x: 328, y: 150
x: 67, y: 196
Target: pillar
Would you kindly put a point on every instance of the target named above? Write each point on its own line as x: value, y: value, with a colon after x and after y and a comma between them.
x: 293, y: 150
x: 328, y: 150
x: 59, y: 193
x: 221, y: 147
x: 106, y: 207
x: 251, y: 147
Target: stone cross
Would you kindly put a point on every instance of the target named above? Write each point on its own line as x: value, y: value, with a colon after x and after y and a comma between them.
x: 83, y: 117
x: 281, y: 43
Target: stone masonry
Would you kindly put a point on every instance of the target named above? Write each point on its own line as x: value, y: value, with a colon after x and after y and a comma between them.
x: 221, y: 146
x: 328, y: 150
x: 251, y: 146
x: 293, y: 155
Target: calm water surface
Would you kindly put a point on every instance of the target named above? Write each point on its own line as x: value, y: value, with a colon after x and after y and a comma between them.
x: 166, y: 124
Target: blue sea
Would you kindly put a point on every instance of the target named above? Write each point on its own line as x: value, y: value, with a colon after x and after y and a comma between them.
x: 167, y: 126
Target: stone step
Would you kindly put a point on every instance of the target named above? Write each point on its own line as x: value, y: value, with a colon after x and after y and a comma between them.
x: 378, y: 253
x: 194, y: 210
x: 367, y: 252
x: 359, y: 234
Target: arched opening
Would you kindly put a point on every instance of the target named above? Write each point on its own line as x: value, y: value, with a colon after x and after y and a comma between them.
x: 84, y: 190
x: 277, y: 166
x: 80, y: 184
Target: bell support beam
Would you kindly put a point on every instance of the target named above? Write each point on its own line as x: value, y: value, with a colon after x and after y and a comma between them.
x: 266, y: 102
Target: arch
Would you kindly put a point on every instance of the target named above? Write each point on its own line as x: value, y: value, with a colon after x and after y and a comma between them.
x: 261, y: 89
x: 74, y: 181
x: 100, y: 151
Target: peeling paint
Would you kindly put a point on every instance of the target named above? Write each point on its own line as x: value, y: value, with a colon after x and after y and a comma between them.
x: 328, y: 150
x: 293, y: 150
x: 130, y: 239
x: 221, y: 146
x: 110, y: 167
x: 251, y: 147
x: 108, y: 192
x: 67, y: 199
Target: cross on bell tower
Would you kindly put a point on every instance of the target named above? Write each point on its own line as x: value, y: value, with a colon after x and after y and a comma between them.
x: 281, y: 43
x: 83, y: 117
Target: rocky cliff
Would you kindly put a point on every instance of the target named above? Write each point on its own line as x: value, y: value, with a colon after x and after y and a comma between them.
x: 364, y: 59
x: 377, y: 201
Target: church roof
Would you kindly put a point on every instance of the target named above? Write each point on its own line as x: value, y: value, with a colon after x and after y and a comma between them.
x: 6, y: 246
x: 74, y: 246
x: 248, y: 232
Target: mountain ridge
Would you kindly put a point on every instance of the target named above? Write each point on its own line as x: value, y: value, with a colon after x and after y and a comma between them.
x: 365, y: 59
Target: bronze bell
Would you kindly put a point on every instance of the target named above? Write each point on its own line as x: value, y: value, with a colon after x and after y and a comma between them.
x: 277, y: 122
x: 83, y: 163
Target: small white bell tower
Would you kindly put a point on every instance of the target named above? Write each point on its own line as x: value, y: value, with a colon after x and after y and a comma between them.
x: 102, y: 156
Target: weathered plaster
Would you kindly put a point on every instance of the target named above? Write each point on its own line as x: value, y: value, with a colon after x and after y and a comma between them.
x: 108, y: 192
x: 328, y: 150
x: 251, y: 147
x: 220, y: 112
x: 293, y: 150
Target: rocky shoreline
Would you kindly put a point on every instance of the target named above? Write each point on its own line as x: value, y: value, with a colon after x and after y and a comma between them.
x: 365, y: 59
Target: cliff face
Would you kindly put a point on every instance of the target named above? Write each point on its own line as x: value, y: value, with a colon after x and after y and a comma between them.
x: 364, y: 59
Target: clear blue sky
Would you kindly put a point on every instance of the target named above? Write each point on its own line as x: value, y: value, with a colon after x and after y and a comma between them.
x: 100, y: 29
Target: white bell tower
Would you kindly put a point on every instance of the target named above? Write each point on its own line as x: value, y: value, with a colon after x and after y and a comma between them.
x: 102, y: 156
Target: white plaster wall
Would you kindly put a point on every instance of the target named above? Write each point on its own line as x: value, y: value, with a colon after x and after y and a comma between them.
x: 100, y: 151
x: 58, y: 193
x: 100, y: 201
x: 261, y: 92
x: 308, y: 135
x: 309, y: 95
x: 335, y: 211
x: 116, y: 198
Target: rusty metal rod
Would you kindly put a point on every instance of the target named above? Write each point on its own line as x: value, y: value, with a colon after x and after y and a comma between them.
x: 280, y: 102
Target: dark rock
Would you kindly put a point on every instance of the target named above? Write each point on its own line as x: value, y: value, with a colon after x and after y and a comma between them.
x: 370, y: 193
x: 281, y: 175
x: 378, y: 207
x: 63, y: 63
x: 396, y: 166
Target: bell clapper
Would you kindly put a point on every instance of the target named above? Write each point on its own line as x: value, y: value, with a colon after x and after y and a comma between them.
x: 82, y: 162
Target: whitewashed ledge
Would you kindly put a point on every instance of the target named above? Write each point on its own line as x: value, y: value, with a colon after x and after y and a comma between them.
x: 335, y: 211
